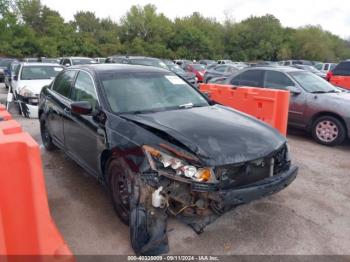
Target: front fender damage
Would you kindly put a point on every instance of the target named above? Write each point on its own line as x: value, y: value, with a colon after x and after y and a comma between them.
x: 148, y: 225
x: 148, y: 220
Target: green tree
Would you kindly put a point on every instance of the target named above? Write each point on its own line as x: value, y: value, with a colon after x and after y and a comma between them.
x: 143, y: 30
x: 197, y: 37
x: 29, y: 28
x: 256, y: 38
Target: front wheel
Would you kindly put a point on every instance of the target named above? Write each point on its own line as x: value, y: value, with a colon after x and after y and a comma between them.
x: 329, y: 131
x: 119, y: 187
x: 45, y: 135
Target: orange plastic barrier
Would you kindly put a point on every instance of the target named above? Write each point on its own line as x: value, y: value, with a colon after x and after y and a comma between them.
x: 26, y: 226
x: 268, y: 105
x: 4, y: 115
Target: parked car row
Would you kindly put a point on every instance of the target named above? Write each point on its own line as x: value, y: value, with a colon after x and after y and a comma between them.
x: 312, y: 97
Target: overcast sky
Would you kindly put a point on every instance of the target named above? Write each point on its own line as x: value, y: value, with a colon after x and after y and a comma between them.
x: 332, y: 15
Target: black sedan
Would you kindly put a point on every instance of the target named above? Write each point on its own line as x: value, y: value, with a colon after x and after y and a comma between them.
x: 160, y: 147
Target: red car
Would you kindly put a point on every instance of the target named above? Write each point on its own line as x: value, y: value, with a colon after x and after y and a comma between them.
x: 340, y: 75
x: 197, y: 69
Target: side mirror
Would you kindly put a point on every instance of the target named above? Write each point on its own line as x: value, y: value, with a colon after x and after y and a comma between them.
x: 15, y: 78
x: 294, y: 90
x: 81, y: 108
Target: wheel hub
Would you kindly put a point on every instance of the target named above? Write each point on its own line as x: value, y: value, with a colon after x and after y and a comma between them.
x: 327, y: 131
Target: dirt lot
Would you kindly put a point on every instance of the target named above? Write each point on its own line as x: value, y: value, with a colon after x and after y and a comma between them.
x: 311, y: 216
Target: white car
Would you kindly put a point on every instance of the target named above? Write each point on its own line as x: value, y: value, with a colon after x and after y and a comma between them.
x: 27, y: 82
x: 74, y: 60
x: 325, y: 67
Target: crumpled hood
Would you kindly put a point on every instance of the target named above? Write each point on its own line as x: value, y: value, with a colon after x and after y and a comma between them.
x: 217, y: 135
x: 35, y: 85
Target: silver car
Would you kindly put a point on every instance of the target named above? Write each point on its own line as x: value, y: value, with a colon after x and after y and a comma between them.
x: 315, y: 105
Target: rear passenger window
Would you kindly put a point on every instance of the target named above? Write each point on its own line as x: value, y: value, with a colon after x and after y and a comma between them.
x: 277, y: 80
x: 249, y: 78
x: 63, y: 83
x: 342, y: 69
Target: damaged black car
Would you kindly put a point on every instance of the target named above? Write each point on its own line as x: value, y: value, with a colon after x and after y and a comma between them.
x: 160, y: 147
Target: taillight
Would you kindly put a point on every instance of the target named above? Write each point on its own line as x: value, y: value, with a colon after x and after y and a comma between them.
x: 329, y: 75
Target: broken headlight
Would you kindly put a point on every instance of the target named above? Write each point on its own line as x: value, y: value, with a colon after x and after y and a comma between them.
x: 26, y: 92
x: 163, y: 161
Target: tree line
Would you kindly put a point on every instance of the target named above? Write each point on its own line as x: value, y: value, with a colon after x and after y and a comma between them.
x: 30, y: 29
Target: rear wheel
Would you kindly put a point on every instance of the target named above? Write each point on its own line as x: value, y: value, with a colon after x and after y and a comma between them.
x: 119, y: 187
x: 45, y: 135
x: 329, y: 131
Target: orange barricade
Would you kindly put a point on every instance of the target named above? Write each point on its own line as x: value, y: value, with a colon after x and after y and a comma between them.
x: 268, y: 105
x: 26, y: 226
x: 4, y: 115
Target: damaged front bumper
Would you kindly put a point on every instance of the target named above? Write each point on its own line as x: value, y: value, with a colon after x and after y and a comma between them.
x: 259, y: 189
x: 28, y: 105
x: 191, y: 203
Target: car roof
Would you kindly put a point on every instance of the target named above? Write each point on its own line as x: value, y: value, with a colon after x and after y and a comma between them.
x: 100, y: 68
x: 284, y: 69
x: 40, y: 64
x: 76, y: 57
x: 134, y: 56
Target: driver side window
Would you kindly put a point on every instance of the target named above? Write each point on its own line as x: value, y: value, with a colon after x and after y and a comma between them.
x: 277, y: 80
x: 84, y: 89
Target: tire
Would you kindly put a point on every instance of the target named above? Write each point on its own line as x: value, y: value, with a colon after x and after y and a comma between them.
x: 328, y: 130
x: 45, y: 136
x: 119, y: 177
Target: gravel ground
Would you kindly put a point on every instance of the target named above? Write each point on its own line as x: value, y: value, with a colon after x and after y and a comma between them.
x: 311, y: 216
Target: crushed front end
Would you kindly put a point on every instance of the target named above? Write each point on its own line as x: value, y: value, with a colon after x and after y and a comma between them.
x: 178, y: 185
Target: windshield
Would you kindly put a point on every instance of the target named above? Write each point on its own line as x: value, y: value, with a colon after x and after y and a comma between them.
x: 312, y: 83
x: 40, y: 72
x: 198, y: 67
x: 148, y: 62
x: 147, y: 92
x: 83, y: 61
x: 5, y: 63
